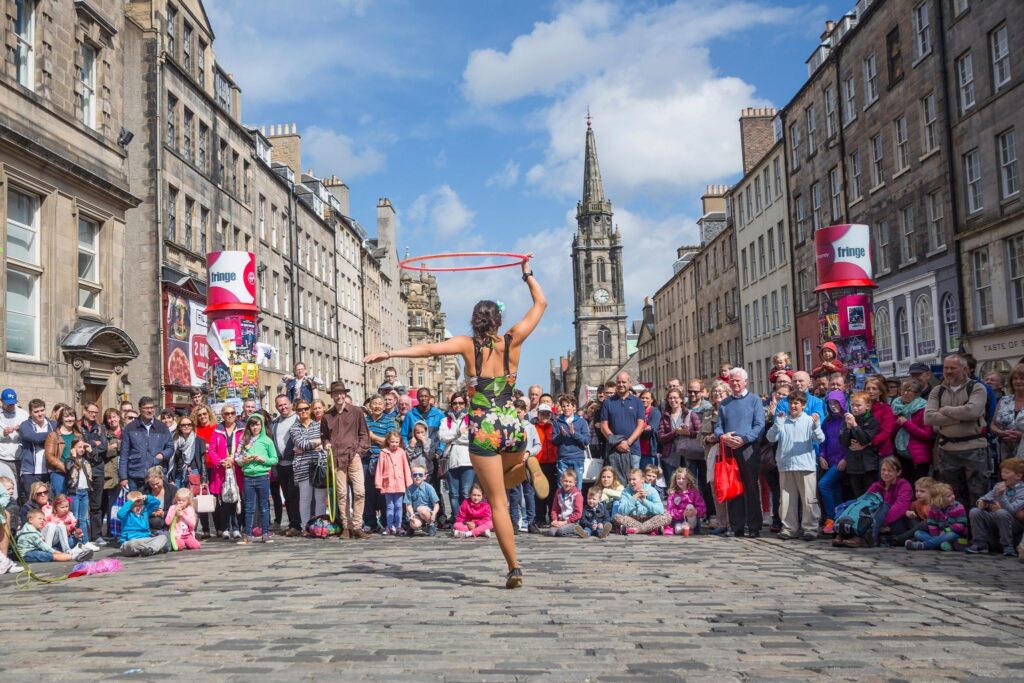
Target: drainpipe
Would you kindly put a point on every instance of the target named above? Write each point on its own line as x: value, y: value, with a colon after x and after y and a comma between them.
x: 159, y: 118
x: 296, y: 328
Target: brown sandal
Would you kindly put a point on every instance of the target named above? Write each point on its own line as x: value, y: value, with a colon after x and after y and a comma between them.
x: 514, y: 579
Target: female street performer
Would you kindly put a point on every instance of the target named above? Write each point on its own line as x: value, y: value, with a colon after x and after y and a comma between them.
x: 496, y: 435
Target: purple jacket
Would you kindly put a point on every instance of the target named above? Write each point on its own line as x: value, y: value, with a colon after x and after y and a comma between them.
x: 832, y: 449
x: 897, y: 497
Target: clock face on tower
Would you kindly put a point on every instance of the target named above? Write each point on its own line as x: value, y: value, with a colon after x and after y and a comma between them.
x: 601, y: 296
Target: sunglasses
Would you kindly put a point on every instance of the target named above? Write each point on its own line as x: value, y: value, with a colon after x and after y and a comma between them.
x: 302, y: 410
x: 184, y: 424
x: 417, y: 475
x: 229, y: 412
x: 42, y: 493
x: 693, y: 391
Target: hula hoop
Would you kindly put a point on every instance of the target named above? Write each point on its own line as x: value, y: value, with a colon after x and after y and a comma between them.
x: 407, y: 264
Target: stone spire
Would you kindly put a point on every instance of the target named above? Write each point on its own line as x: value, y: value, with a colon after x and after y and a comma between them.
x: 593, y: 188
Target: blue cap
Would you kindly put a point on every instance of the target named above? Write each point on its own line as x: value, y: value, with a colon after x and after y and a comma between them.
x: 8, y: 397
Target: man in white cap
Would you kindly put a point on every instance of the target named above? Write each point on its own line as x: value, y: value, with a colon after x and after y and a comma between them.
x: 11, y: 416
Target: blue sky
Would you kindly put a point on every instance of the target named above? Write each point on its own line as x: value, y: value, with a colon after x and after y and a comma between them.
x: 470, y: 117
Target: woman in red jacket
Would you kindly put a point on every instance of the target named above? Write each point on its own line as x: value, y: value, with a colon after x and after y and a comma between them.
x: 914, y: 438
x: 548, y: 458
x: 880, y: 408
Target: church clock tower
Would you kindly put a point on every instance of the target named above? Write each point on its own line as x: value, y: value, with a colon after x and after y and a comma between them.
x: 599, y: 301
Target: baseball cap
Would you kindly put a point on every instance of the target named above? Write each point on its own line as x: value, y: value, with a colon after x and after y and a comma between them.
x: 544, y: 408
x: 9, y: 397
x: 918, y: 367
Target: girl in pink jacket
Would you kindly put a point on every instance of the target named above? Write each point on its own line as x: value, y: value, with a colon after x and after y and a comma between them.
x: 181, y: 522
x: 684, y: 502
x: 393, y: 477
x: 474, y: 516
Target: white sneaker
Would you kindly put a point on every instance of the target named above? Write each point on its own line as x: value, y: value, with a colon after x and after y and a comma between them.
x: 80, y: 553
x: 91, y: 546
x: 9, y: 567
x: 488, y: 533
x: 237, y: 535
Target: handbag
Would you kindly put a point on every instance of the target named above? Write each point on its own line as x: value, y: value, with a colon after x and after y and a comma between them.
x: 205, y: 502
x: 229, y: 489
x: 727, y: 476
x: 591, y: 466
x: 195, y: 484
x: 113, y: 523
x: 318, y: 473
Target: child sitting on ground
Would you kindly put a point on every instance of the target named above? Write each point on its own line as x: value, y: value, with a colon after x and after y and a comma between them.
x: 33, y: 547
x: 65, y: 532
x: 685, y: 504
x: 567, y: 507
x: 474, y: 517
x: 652, y: 476
x: 594, y: 520
x: 421, y: 502
x: 135, y: 535
x: 859, y: 428
x: 917, y: 515
x: 611, y: 489
x: 7, y: 520
x: 995, y: 517
x: 947, y: 521
x: 181, y: 522
x: 897, y: 493
x: 640, y: 508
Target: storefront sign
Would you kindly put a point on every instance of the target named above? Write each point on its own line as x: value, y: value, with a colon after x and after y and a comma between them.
x: 843, y: 257
x: 1008, y: 346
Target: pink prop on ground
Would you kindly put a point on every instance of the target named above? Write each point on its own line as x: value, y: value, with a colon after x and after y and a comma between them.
x: 104, y: 566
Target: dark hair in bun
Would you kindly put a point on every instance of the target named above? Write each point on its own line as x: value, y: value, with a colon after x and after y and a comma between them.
x: 486, y: 319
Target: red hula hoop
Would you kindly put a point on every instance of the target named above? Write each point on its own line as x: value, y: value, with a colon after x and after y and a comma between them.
x: 407, y: 264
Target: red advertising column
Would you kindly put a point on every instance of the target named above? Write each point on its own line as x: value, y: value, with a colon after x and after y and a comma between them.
x: 231, y: 312
x: 845, y: 316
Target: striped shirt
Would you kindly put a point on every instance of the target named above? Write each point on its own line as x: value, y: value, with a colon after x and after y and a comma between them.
x: 305, y: 455
x: 380, y: 427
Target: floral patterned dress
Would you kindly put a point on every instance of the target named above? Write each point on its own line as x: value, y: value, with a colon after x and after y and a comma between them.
x: 1008, y: 417
x: 494, y: 424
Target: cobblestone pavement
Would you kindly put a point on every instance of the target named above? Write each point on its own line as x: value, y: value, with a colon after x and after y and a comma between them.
x: 419, y: 609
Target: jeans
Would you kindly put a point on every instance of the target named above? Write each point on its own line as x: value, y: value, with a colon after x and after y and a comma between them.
x: 522, y: 504
x: 374, y: 500
x: 574, y: 464
x: 648, y: 460
x: 933, y: 542
x: 257, y: 492
x: 80, y: 509
x: 58, y: 483
x: 699, y: 470
x: 96, y: 503
x: 37, y: 556
x: 831, y: 487
x: 393, y: 501
x: 460, y: 480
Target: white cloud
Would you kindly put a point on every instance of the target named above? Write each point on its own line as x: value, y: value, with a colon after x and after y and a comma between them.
x: 665, y: 119
x: 329, y: 152
x: 441, y: 211
x: 506, y: 177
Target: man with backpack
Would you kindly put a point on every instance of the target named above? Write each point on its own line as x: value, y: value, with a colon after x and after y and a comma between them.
x: 956, y: 409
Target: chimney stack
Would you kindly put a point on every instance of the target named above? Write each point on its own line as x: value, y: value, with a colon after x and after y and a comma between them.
x: 339, y: 189
x: 287, y: 146
x: 756, y: 135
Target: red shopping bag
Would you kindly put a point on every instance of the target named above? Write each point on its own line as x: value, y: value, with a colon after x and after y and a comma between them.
x: 727, y: 476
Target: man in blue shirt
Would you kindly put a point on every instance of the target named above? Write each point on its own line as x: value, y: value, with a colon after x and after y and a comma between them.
x: 622, y: 421
x: 739, y: 427
x: 424, y: 412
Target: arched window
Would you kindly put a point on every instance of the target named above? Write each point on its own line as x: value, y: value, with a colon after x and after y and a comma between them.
x: 902, y: 333
x: 604, y: 342
x: 883, y: 335
x: 602, y: 272
x: 924, y: 326
x: 951, y: 322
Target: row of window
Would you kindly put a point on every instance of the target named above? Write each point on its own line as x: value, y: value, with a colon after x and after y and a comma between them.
x: 981, y: 276
x: 1007, y: 168
x: 711, y: 359
x: 914, y: 334
x: 189, y: 42
x: 719, y: 258
x: 763, y: 255
x: 233, y: 173
x: 760, y: 193
x: 999, y: 63
x: 728, y: 301
x: 761, y: 323
x: 25, y: 270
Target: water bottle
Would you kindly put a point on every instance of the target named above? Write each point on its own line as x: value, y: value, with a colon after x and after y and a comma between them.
x: 686, y: 528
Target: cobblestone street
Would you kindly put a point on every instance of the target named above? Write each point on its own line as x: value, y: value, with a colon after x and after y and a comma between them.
x: 624, y: 609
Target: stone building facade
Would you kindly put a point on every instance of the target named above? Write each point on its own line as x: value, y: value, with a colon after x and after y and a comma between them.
x: 675, y: 322
x: 427, y: 324
x: 759, y: 211
x: 64, y: 194
x: 984, y: 68
x: 717, y: 288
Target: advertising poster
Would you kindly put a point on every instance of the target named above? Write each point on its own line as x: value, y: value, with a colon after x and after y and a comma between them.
x: 232, y: 332
x: 186, y: 353
x: 842, y: 255
x: 847, y: 321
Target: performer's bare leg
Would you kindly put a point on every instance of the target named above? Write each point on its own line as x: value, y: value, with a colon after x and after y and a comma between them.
x: 490, y: 475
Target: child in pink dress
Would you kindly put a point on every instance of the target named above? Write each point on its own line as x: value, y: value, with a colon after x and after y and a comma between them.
x: 181, y: 522
x: 393, y: 477
x: 474, y: 516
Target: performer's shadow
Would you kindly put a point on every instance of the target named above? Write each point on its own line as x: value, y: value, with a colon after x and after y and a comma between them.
x: 420, y: 574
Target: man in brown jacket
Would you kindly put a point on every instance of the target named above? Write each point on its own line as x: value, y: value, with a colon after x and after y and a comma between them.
x: 344, y: 428
x: 956, y: 409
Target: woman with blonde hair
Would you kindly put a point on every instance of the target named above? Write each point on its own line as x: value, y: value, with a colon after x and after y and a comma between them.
x: 719, y: 390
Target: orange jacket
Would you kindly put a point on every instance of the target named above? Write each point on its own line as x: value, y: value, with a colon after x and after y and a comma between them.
x: 548, y: 452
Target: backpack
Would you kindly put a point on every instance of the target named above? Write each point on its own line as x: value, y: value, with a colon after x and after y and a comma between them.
x: 322, y: 527
x: 856, y: 517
